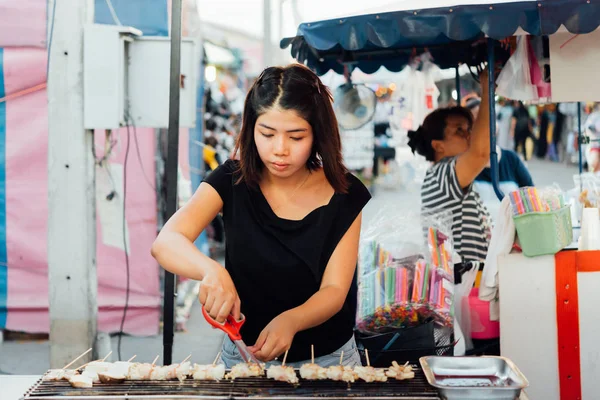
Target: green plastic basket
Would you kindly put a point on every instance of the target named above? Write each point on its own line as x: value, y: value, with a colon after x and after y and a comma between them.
x: 544, y: 233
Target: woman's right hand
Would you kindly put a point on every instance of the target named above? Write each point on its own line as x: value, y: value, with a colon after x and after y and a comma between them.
x: 218, y: 295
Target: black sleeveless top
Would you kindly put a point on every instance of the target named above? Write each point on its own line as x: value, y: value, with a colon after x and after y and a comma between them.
x: 277, y: 264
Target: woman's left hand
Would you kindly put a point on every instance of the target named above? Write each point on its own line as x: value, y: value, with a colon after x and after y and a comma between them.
x: 276, y: 338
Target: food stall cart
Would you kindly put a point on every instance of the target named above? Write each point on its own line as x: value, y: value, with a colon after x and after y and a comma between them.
x: 453, y: 35
x: 546, y: 322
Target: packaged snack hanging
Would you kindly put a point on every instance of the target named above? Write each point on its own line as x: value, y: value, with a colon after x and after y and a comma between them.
x: 405, y: 272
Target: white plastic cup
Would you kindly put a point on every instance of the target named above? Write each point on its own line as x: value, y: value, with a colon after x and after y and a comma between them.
x: 590, y: 229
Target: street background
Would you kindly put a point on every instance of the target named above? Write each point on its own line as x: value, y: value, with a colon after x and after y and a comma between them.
x: 200, y: 340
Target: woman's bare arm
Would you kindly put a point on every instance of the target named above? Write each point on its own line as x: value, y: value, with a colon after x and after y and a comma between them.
x: 473, y: 161
x: 174, y: 247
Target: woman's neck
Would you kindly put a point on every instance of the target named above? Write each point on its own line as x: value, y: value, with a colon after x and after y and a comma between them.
x: 287, y: 183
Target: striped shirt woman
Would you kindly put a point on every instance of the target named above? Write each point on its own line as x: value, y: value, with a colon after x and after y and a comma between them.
x: 470, y: 219
x: 459, y: 149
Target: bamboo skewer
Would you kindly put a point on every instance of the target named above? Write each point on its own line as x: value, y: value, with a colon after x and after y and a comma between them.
x: 185, y: 359
x: 367, y: 355
x: 131, y: 359
x: 108, y: 355
x: 216, y: 358
x: 99, y: 360
x: 284, y: 358
x: 73, y: 362
x: 155, y: 360
x: 312, y: 353
x: 341, y: 357
x: 86, y: 364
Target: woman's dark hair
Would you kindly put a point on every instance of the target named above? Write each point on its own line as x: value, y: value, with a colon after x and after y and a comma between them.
x: 472, y: 103
x: 433, y: 129
x: 211, y: 141
x: 296, y: 88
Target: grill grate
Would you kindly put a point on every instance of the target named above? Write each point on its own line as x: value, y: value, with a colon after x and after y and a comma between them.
x: 261, y: 388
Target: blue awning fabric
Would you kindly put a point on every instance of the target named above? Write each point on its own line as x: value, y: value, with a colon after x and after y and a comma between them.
x: 388, y: 38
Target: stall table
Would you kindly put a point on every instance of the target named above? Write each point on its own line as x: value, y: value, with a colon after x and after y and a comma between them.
x: 549, y: 322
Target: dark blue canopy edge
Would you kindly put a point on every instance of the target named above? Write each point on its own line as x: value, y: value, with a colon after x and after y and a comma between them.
x: 452, y: 35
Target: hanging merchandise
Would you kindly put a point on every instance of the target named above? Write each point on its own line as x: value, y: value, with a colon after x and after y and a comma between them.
x: 415, y: 97
x: 544, y: 90
x: 430, y: 71
x: 514, y: 82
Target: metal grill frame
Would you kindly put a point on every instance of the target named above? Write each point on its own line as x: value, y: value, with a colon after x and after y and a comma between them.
x: 257, y: 388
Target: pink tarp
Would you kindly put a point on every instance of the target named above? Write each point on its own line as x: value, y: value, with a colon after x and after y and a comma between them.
x: 27, y: 210
x: 23, y: 23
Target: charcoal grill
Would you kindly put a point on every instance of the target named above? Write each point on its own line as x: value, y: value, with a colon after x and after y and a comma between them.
x: 257, y: 388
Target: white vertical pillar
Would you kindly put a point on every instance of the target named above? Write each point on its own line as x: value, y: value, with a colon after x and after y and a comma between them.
x: 280, y: 53
x: 267, y: 45
x: 71, y: 188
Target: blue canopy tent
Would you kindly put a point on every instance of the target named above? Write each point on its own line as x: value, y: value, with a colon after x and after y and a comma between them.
x: 465, y: 33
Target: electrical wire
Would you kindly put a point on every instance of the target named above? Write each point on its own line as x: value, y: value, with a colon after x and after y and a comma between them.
x: 127, y: 286
x: 113, y: 13
x: 50, y: 37
x: 139, y: 156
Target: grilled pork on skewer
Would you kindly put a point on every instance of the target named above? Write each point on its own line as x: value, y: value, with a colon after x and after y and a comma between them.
x: 98, y: 366
x: 183, y: 370
x: 208, y: 372
x: 140, y: 371
x: 164, y: 373
x: 282, y: 373
x: 170, y: 372
x: 341, y: 373
x: 117, y: 373
x: 370, y: 374
x: 245, y: 370
x: 81, y: 382
x: 313, y: 372
x: 84, y: 380
x: 59, y: 375
x: 400, y: 372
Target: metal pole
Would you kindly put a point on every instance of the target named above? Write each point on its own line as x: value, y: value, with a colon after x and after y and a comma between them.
x: 580, y: 138
x: 492, y: 104
x: 171, y: 171
x: 457, y: 84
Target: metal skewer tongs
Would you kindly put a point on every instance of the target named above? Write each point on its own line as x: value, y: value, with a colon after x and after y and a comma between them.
x: 232, y: 328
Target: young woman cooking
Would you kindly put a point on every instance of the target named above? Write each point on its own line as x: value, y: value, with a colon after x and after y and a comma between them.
x: 292, y: 215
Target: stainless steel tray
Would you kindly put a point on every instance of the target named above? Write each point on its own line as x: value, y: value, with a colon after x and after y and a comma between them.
x: 466, y: 378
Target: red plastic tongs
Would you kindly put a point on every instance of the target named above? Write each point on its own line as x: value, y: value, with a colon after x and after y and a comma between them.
x: 232, y: 328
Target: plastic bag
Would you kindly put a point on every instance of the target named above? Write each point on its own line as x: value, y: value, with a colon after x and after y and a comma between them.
x: 514, y: 82
x: 405, y: 271
x: 586, y: 194
x: 462, y: 310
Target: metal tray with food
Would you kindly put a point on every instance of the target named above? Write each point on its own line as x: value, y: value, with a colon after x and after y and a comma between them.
x: 465, y: 378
